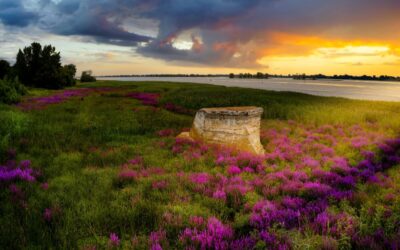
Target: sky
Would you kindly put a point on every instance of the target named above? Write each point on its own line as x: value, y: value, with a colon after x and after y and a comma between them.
x: 112, y: 37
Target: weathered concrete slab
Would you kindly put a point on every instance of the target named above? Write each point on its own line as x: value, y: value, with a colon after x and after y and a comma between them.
x: 237, y: 127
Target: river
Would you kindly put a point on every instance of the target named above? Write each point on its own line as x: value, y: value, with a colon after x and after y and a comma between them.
x: 353, y: 89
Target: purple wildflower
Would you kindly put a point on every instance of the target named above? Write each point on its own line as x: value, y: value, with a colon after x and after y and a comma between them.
x: 292, y: 202
x: 136, y: 161
x: 16, y: 174
x: 200, y: 178
x: 48, y: 214
x: 163, y: 184
x: 233, y: 170
x: 44, y: 186
x: 219, y: 194
x: 310, y: 162
x: 148, y: 99
x: 128, y: 175
x: 196, y: 221
x: 215, y: 236
x: 114, y: 240
x: 156, y: 238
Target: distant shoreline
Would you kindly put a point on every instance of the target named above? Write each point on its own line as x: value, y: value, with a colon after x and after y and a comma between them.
x: 267, y: 76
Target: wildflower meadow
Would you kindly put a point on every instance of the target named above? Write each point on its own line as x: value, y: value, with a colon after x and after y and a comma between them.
x: 99, y: 166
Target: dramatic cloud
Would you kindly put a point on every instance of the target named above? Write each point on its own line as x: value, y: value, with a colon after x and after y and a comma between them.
x: 13, y: 13
x: 229, y: 33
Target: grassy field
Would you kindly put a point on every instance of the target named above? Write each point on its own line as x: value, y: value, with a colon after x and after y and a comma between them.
x: 98, y: 167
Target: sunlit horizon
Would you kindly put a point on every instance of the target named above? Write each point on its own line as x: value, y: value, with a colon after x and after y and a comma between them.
x: 275, y: 37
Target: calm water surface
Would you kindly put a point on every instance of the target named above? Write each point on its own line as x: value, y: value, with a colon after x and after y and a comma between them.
x: 365, y: 90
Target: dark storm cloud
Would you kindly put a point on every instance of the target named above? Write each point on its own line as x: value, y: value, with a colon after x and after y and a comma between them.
x: 102, y: 21
x: 13, y: 13
x: 224, y: 32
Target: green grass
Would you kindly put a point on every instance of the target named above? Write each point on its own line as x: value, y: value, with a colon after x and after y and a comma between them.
x: 79, y: 146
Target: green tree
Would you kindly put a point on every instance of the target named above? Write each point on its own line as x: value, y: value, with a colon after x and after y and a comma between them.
x: 39, y: 66
x: 68, y: 74
x: 4, y: 68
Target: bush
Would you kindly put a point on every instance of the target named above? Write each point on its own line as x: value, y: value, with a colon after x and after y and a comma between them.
x: 11, y: 91
x: 4, y: 68
x: 87, y: 76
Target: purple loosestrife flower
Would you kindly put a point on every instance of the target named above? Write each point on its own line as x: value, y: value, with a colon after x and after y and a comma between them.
x: 225, y: 160
x: 220, y: 195
x: 192, y: 155
x: 325, y: 176
x: 44, y: 186
x: 291, y: 187
x: 261, y: 216
x: 41, y: 102
x: 152, y: 171
x: 268, y: 238
x: 245, y: 243
x: 234, y: 170
x: 327, y: 151
x: 273, y: 242
x: 48, y: 214
x: 156, y: 246
x: 175, y: 108
x: 316, y: 189
x: 298, y: 176
x: 367, y: 165
x: 148, y: 99
x: 340, y: 162
x: 248, y: 170
x: 237, y: 185
x: 395, y: 143
x: 310, y: 162
x: 322, y: 223
x: 157, y: 237
x: 16, y: 174
x: 369, y: 155
x: 200, y: 178
x: 215, y: 236
x: 128, y: 175
x: 346, y: 182
x: 341, y: 170
x: 313, y: 208
x: 359, y: 142
x: 387, y: 149
x: 160, y: 185
x: 114, y: 240
x: 292, y: 202
x: 196, y: 221
x: 265, y: 214
x: 138, y: 160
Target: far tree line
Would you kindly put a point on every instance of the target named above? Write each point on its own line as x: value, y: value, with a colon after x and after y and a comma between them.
x: 40, y: 66
x: 260, y: 75
x: 346, y: 77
